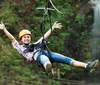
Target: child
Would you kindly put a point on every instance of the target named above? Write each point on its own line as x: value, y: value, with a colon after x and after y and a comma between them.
x: 38, y: 54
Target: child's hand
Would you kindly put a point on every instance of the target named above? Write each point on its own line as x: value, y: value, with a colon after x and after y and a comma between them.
x: 2, y: 26
x: 56, y: 25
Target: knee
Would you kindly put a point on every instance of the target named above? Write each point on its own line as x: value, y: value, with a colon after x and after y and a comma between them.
x: 44, y: 59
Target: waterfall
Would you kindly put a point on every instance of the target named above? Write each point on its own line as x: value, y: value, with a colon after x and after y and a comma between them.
x: 95, y: 1
x: 95, y: 41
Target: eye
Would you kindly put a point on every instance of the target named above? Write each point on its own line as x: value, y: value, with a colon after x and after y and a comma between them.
x: 24, y: 36
x: 28, y: 36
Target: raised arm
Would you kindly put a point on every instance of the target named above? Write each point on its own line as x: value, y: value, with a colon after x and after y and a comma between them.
x: 10, y: 36
x: 55, y: 25
x: 47, y: 34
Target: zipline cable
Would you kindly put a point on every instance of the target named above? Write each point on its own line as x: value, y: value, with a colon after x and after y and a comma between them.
x: 46, y: 16
x: 55, y: 7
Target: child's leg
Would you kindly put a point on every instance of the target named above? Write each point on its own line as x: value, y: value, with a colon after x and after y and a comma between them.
x: 66, y: 60
x: 79, y: 64
x: 59, y: 58
x: 44, y: 60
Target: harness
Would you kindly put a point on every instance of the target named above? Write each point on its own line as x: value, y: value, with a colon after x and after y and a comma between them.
x: 39, y: 49
x: 46, y: 18
x: 42, y: 46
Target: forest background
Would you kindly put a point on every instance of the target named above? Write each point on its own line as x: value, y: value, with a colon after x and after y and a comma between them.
x: 73, y: 40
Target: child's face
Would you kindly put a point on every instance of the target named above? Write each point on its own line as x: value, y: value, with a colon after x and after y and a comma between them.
x: 26, y: 39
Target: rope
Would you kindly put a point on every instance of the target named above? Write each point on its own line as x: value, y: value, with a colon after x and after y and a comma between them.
x: 55, y: 7
x: 46, y: 17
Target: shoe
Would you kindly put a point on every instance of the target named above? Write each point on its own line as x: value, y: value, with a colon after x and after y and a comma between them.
x: 48, y: 68
x: 91, y: 66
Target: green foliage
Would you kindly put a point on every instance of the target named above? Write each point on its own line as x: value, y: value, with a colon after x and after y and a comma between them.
x: 79, y: 18
x: 8, y: 16
x: 71, y: 40
x: 53, y: 82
